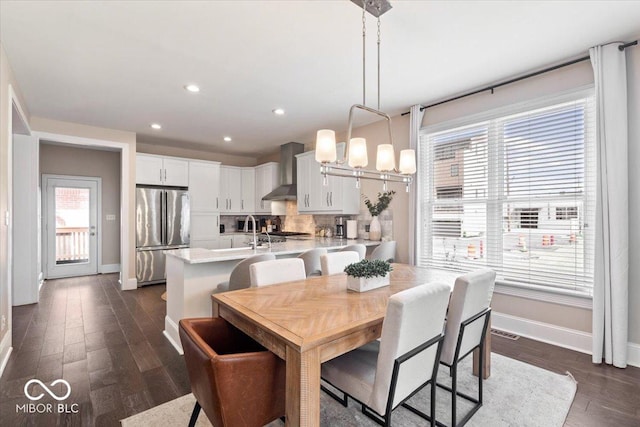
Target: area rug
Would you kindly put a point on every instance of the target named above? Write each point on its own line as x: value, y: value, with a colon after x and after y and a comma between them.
x: 516, y: 394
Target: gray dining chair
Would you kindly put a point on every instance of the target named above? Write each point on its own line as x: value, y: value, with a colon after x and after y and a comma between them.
x: 383, y: 375
x: 467, y: 321
x: 335, y: 262
x: 311, y: 260
x: 356, y: 247
x: 240, y: 277
x: 385, y: 251
x: 276, y: 271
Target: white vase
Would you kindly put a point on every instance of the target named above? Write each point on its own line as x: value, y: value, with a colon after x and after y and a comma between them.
x: 375, y: 231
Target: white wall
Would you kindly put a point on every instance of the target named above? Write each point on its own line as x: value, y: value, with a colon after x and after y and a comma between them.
x: 6, y: 79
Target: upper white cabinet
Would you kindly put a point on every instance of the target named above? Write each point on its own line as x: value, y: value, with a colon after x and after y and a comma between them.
x: 230, y: 188
x: 339, y: 196
x: 266, y: 181
x: 237, y: 190
x: 204, y: 186
x: 248, y: 193
x: 159, y: 170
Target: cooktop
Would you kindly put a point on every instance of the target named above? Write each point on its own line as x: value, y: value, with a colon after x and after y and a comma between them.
x: 287, y: 233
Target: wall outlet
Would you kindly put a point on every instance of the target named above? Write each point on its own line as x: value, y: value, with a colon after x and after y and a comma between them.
x: 3, y: 323
x: 111, y: 217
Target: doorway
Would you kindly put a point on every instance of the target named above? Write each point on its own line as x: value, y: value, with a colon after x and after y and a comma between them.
x: 71, y: 227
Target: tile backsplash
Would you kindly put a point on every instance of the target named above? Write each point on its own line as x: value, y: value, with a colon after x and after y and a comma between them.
x: 292, y: 221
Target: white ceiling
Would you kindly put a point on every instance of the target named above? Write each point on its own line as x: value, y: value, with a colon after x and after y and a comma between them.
x: 123, y: 64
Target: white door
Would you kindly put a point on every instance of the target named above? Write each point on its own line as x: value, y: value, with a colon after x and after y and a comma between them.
x: 71, y: 225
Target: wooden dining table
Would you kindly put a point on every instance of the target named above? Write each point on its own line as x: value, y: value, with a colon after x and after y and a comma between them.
x: 310, y: 321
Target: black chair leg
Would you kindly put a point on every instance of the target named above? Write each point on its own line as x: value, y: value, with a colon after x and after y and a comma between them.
x: 454, y: 392
x: 194, y: 414
x: 433, y: 403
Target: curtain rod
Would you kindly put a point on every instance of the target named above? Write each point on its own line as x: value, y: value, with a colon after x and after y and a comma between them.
x: 517, y: 79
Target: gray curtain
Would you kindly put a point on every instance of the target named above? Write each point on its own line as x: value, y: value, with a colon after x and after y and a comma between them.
x: 611, y: 275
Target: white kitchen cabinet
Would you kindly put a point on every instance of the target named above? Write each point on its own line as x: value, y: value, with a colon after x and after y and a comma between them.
x: 339, y: 196
x: 241, y: 240
x: 309, y: 189
x: 248, y: 191
x: 204, y: 226
x: 160, y: 170
x: 230, y: 189
x: 204, y: 186
x: 237, y: 190
x: 226, y: 242
x: 267, y: 179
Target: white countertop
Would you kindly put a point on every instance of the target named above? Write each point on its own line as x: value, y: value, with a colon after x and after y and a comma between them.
x: 200, y: 256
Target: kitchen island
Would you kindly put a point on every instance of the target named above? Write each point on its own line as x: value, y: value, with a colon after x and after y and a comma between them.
x: 194, y: 274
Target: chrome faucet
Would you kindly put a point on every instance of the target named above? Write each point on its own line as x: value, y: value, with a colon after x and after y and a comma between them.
x: 253, y: 244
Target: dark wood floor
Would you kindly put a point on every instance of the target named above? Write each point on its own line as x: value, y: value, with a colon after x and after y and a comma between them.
x: 109, y: 346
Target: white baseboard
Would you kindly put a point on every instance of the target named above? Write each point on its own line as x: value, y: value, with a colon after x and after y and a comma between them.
x: 633, y: 354
x: 545, y: 332
x: 109, y: 268
x: 172, y: 334
x: 128, y: 284
x: 5, y: 351
x: 555, y: 335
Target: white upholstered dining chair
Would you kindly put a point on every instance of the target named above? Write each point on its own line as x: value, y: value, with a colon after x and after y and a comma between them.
x: 383, y: 374
x: 385, y: 251
x: 467, y: 320
x: 311, y: 260
x: 335, y: 262
x: 356, y: 247
x: 276, y: 271
x: 239, y: 278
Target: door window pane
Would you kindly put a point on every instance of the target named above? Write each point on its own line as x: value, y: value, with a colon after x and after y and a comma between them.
x: 72, y: 225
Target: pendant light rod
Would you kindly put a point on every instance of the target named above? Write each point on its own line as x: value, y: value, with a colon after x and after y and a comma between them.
x: 364, y: 53
x: 379, y: 63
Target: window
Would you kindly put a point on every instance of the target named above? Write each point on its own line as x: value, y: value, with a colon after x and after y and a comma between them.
x: 522, y: 197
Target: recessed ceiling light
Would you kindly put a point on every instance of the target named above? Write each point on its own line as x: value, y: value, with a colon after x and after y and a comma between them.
x: 278, y: 112
x: 227, y: 139
x: 155, y: 126
x: 192, y: 88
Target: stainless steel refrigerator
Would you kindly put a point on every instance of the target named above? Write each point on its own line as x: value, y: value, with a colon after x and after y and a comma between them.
x: 162, y: 223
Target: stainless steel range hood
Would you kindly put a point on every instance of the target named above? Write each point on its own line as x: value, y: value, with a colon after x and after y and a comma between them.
x: 287, y: 190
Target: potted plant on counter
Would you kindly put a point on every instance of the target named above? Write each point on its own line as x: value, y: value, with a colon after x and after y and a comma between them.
x: 375, y: 209
x: 367, y: 274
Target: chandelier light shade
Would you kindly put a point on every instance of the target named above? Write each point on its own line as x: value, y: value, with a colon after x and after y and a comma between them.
x: 386, y: 159
x: 407, y: 162
x: 358, y: 157
x: 326, y: 146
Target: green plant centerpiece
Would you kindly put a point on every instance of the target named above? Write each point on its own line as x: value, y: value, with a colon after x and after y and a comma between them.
x: 383, y: 202
x: 367, y: 274
x: 375, y: 209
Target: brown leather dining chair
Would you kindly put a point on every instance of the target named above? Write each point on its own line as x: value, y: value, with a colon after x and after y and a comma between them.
x: 233, y: 378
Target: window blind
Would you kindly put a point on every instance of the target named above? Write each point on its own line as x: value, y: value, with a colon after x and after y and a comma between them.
x: 515, y: 193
